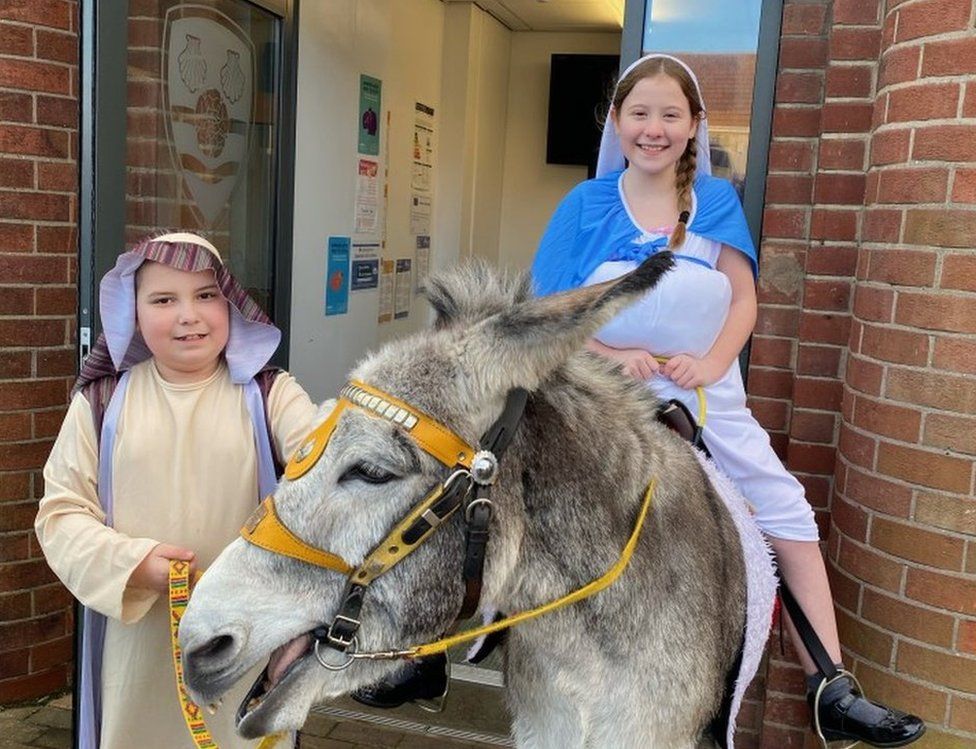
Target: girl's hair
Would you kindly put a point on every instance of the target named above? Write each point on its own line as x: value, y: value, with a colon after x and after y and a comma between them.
x: 685, y: 169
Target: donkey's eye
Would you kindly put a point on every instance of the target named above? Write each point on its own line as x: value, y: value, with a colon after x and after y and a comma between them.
x: 367, y: 472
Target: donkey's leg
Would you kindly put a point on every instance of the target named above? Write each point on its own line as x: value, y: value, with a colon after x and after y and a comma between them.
x: 547, y: 721
x: 545, y: 715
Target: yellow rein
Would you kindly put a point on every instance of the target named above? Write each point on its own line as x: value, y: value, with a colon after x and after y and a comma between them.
x: 179, y: 596
x: 699, y: 391
x: 595, y: 586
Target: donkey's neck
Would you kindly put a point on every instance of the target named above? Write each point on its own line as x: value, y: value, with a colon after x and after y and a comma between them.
x: 571, y: 483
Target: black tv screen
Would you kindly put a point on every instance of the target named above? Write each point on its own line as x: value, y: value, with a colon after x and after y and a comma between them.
x: 579, y: 93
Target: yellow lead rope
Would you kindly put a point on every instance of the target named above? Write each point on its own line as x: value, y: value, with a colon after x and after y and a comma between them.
x: 605, y: 580
x: 699, y: 391
x: 179, y: 596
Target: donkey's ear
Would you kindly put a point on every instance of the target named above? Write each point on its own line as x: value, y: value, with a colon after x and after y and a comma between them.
x: 521, y: 346
x: 445, y: 306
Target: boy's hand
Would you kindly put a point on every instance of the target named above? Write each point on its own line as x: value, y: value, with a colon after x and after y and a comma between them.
x: 153, y: 571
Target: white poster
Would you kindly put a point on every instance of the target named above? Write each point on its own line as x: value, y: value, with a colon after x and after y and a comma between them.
x: 420, y: 210
x: 422, y: 260
x: 367, y: 196
x: 386, y: 291
x: 422, y: 165
x: 403, y: 288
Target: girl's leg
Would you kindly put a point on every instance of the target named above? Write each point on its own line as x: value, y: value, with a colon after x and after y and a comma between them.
x: 802, y: 567
x: 844, y: 713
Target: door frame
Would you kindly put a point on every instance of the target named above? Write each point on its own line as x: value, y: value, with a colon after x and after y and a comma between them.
x: 102, y: 133
x: 101, y: 205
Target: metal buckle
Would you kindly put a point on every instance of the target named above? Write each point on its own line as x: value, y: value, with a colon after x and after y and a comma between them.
x: 841, y: 673
x: 350, y: 656
x: 474, y: 503
x: 337, y: 640
x: 436, y: 704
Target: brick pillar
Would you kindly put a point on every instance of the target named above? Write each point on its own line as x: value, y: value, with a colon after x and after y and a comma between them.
x: 38, y: 264
x: 904, y: 516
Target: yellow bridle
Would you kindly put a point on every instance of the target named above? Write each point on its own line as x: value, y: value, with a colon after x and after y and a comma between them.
x: 265, y: 529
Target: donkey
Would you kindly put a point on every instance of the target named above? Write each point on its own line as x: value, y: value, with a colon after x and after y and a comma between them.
x: 644, y: 663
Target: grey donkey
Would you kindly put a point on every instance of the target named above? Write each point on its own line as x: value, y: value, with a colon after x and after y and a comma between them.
x: 640, y: 664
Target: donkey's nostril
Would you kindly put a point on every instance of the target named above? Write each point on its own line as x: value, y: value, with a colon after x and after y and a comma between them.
x: 217, y: 647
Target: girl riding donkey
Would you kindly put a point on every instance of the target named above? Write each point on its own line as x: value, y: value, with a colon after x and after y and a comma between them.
x: 688, y: 333
x: 173, y: 434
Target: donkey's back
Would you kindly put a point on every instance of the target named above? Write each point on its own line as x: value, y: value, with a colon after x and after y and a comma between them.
x: 645, y: 662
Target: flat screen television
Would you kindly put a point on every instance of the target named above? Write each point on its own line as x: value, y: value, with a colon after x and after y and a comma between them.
x: 579, y: 92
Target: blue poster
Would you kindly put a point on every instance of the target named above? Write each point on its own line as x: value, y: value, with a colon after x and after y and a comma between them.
x: 370, y: 103
x: 337, y: 277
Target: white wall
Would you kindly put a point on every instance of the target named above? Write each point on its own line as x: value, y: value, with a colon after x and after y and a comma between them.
x: 531, y: 187
x: 493, y: 192
x: 337, y: 42
x: 493, y: 42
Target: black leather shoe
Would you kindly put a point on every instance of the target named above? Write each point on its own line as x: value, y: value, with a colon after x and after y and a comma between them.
x: 848, y: 716
x: 422, y: 681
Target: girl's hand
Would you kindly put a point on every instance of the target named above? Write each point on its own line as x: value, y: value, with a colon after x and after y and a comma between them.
x: 688, y: 372
x: 635, y: 362
x: 153, y: 571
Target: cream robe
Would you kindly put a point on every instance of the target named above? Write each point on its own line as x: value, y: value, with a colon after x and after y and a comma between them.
x: 184, y: 472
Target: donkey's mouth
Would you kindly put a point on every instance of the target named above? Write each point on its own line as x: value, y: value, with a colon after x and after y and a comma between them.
x: 282, y: 665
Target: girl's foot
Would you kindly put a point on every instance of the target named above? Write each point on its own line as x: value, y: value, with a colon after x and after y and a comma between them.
x: 845, y: 714
x: 423, y: 681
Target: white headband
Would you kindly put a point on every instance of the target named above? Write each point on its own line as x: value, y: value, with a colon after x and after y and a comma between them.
x: 611, y: 158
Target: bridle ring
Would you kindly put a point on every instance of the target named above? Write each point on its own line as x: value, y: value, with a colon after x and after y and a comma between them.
x: 350, y: 656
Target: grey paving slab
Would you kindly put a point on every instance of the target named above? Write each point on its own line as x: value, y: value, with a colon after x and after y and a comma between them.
x: 48, y: 726
x: 363, y: 733
x: 54, y: 717
x: 54, y: 738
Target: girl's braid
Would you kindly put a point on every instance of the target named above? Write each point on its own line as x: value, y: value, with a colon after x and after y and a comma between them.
x: 683, y: 178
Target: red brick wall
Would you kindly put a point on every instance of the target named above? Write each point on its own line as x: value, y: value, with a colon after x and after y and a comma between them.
x: 38, y: 264
x: 904, y: 514
x: 863, y: 361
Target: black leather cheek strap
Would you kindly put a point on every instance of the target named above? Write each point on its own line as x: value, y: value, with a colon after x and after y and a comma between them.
x: 478, y: 512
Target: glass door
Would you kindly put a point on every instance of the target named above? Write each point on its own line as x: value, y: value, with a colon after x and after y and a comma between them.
x: 733, y: 49
x: 188, y: 123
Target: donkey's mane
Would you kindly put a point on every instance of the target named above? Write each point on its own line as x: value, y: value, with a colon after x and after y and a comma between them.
x: 473, y: 291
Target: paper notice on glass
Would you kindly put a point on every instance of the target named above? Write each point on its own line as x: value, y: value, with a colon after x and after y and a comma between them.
x: 420, y: 213
x: 367, y: 196
x: 423, y: 145
x: 386, y: 291
x: 403, y: 288
x: 422, y: 258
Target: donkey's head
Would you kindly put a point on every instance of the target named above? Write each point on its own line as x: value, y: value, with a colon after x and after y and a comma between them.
x: 491, y: 335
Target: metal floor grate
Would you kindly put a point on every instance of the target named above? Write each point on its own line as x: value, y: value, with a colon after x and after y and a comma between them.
x: 412, y: 726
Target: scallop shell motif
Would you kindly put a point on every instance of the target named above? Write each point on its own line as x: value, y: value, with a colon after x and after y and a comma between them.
x: 193, y: 65
x: 232, y: 77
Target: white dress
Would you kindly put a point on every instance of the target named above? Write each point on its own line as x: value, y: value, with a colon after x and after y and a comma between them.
x: 684, y: 314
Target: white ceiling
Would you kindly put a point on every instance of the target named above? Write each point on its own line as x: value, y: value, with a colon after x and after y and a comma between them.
x: 555, y: 15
